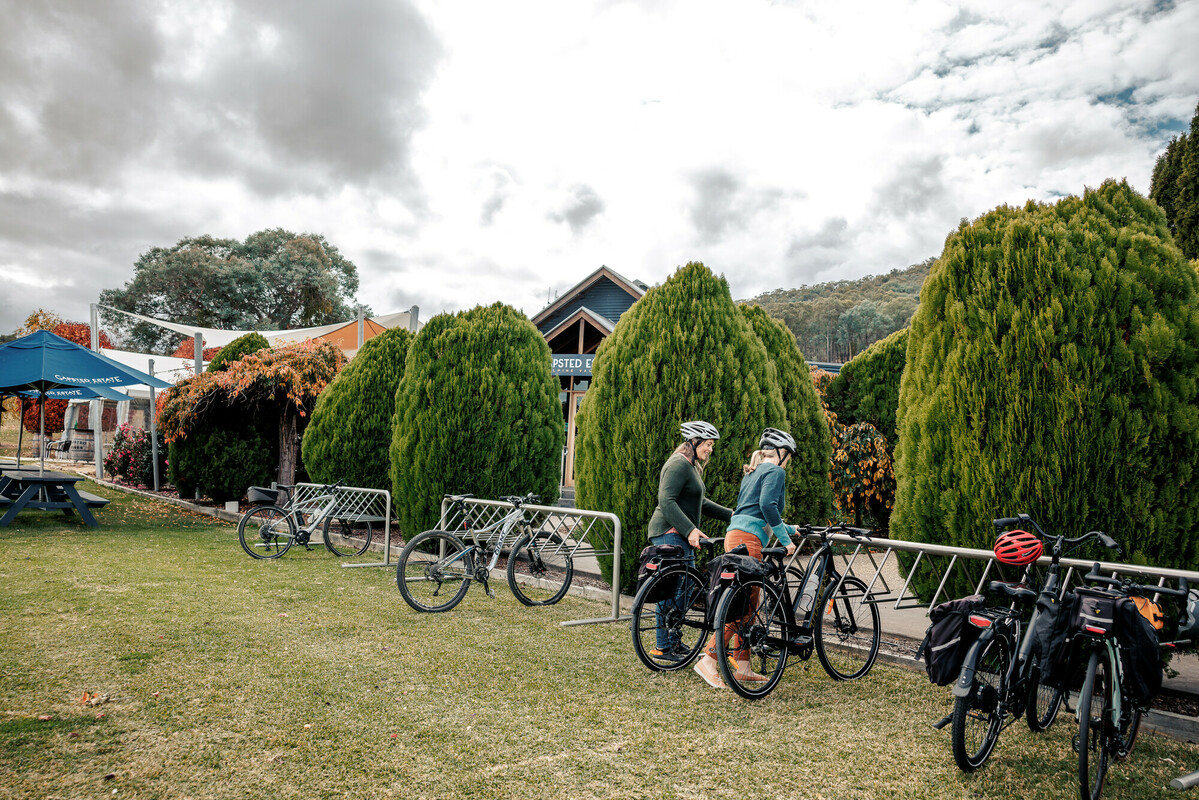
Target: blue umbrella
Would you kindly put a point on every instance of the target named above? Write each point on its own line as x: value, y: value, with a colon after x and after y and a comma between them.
x: 64, y: 393
x: 42, y: 363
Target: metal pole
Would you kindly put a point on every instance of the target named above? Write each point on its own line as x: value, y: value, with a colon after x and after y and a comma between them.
x: 1185, y: 782
x: 153, y: 428
x: 361, y: 312
x: 97, y: 406
x: 199, y: 352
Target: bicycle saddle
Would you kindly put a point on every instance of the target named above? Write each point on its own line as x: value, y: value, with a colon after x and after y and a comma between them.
x: 1017, y: 591
x: 774, y: 552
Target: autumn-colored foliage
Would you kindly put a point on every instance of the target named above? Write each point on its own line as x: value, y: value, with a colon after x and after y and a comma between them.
x: 187, y: 349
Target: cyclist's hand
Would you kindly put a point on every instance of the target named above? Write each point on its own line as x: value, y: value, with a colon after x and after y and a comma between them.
x: 694, y: 537
x: 791, y: 549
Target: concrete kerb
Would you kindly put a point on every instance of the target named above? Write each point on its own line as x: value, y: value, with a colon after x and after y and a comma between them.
x: 897, y: 650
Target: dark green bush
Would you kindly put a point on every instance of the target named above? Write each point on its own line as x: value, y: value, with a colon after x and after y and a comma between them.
x: 867, y: 388
x: 1051, y: 369
x: 682, y: 352
x: 809, y: 496
x: 224, y: 457
x: 477, y: 411
x: 241, y: 346
x: 349, y: 435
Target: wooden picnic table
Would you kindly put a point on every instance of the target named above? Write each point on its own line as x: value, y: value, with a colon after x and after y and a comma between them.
x: 22, y: 489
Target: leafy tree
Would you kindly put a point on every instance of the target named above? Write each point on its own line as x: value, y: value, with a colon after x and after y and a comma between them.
x: 274, y: 279
x: 41, y: 320
x: 477, y: 411
x: 682, y: 352
x: 1051, y: 369
x: 278, y: 385
x: 349, y: 437
x: 240, y: 347
x: 867, y: 388
x: 808, y: 495
x: 1175, y: 187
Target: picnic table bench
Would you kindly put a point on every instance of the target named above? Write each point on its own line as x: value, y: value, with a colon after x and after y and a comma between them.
x: 23, y: 489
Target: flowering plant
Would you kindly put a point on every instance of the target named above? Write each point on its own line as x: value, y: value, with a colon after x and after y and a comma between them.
x: 131, y: 457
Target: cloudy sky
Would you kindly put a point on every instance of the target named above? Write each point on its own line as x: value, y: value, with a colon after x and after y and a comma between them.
x: 465, y: 152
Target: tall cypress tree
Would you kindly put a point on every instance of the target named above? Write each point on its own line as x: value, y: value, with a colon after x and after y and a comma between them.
x: 349, y: 437
x: 682, y: 352
x: 867, y: 387
x: 476, y: 412
x: 1175, y: 187
x: 1051, y: 369
x: 809, y: 496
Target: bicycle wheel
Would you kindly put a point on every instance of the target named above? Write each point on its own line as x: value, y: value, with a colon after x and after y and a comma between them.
x: 847, y: 630
x: 669, y: 634
x: 1043, y: 702
x: 757, y: 629
x: 1091, y: 743
x: 266, y: 532
x: 976, y: 717
x: 540, y: 569
x: 1130, y: 725
x: 434, y: 571
x: 347, y: 537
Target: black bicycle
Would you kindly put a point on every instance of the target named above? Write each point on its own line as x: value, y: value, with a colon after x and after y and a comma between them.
x: 670, y: 613
x: 1001, y: 679
x: 1108, y: 717
x: 831, y: 613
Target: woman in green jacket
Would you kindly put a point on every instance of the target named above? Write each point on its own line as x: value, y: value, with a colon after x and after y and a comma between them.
x: 681, y: 508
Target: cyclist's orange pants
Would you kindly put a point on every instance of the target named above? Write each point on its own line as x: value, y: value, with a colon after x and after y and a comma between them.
x: 754, y: 545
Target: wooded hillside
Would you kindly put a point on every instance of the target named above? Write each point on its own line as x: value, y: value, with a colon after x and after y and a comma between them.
x: 835, y: 321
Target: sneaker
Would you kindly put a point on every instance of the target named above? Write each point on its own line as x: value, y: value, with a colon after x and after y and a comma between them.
x: 681, y: 650
x: 708, y: 669
x: 743, y: 672
x: 665, y: 654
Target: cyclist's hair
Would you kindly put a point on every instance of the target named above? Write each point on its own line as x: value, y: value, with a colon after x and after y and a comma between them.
x: 687, y: 451
x: 757, y: 457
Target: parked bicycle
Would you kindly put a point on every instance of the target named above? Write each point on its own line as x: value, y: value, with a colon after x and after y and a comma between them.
x: 1109, y: 716
x: 832, y: 613
x: 268, y: 530
x: 435, y: 568
x: 670, y: 613
x: 1001, y: 678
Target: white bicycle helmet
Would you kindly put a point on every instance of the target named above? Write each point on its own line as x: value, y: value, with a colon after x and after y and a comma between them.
x: 773, y: 438
x: 699, y: 430
x: 1188, y: 626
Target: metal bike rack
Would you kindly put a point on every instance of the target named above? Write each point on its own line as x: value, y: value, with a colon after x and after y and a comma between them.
x: 866, y: 558
x: 585, y: 534
x: 353, y: 503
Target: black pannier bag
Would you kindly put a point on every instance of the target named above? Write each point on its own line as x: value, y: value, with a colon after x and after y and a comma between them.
x: 648, y: 564
x: 1052, y: 638
x: 743, y: 568
x: 1139, y: 652
x: 949, y: 637
x: 1094, y: 613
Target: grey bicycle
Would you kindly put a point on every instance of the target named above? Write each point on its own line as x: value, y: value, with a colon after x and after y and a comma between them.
x: 269, y: 530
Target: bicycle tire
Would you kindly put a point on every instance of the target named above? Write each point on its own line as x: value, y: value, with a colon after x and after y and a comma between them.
x: 540, y: 569
x: 430, y: 561
x: 847, y: 630
x: 976, y: 717
x: 1092, y: 741
x: 762, y: 630
x: 353, y: 537
x: 260, y: 534
x: 1129, y: 727
x: 1044, y: 702
x: 685, y: 620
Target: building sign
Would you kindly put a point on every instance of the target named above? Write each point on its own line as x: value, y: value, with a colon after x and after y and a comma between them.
x: 568, y: 364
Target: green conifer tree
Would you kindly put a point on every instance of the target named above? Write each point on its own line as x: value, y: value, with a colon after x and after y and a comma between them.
x: 1175, y: 187
x: 1051, y: 369
x: 682, y: 352
x: 809, y: 496
x: 241, y: 346
x: 476, y: 412
x: 867, y: 388
x: 349, y: 436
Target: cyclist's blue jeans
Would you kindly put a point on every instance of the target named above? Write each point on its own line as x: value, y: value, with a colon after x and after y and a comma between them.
x: 662, y: 634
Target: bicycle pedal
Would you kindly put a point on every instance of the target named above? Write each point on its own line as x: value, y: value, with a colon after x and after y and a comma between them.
x: 941, y: 723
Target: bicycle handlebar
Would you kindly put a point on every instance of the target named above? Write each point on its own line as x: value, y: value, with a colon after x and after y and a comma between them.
x: 1058, y: 541
x: 1127, y: 586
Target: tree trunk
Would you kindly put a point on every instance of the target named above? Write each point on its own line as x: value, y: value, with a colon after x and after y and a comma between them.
x: 288, y: 446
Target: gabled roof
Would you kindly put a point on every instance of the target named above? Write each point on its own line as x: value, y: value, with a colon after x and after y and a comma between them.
x: 635, y: 288
x: 598, y: 320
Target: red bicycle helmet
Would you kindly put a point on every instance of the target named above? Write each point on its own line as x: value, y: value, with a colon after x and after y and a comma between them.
x: 1018, y: 548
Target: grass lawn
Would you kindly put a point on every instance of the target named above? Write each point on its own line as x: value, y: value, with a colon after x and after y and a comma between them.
x: 235, y: 678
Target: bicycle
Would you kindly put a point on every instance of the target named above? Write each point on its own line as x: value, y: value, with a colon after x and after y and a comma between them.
x: 268, y: 530
x: 993, y: 689
x: 539, y: 570
x: 832, y: 614
x: 1108, y: 718
x: 677, y: 593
